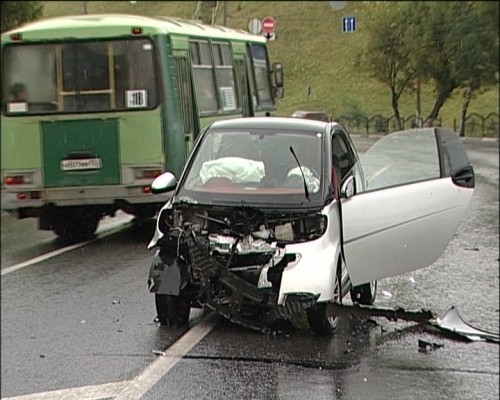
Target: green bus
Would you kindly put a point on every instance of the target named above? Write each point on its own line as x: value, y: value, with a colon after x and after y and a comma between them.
x: 94, y: 107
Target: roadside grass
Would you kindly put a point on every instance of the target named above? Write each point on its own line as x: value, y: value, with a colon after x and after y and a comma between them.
x: 315, y: 52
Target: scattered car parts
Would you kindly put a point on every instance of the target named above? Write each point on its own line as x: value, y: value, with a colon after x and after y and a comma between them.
x: 451, y: 324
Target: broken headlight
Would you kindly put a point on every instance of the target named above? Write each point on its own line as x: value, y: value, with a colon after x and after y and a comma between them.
x: 303, y: 229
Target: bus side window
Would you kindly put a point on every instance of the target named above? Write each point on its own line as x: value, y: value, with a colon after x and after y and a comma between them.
x: 203, y: 77
x: 224, y: 74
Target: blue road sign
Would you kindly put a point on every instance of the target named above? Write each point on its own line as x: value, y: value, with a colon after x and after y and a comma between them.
x: 349, y: 24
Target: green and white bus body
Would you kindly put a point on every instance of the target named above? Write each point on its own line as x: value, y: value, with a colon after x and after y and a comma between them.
x: 112, y: 102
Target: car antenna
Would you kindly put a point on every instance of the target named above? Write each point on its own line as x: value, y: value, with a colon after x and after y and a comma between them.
x: 306, y: 191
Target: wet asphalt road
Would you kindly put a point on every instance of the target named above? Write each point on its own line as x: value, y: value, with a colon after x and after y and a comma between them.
x: 84, y: 319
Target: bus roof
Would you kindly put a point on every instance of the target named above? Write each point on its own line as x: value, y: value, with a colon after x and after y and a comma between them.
x: 108, y: 25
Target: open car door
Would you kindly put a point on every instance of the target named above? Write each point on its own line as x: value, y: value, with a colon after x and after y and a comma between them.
x: 419, y: 183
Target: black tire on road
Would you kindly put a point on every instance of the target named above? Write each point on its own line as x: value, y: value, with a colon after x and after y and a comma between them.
x: 172, y: 310
x: 319, y: 323
x: 76, y: 226
x: 364, y: 294
x: 145, y: 211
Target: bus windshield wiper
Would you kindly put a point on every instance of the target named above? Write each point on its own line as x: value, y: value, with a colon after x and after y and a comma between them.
x: 306, y: 190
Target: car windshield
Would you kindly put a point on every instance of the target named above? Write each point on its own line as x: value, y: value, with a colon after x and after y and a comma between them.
x: 256, y: 168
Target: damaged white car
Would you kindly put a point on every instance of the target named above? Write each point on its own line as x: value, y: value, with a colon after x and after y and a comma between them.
x: 274, y: 216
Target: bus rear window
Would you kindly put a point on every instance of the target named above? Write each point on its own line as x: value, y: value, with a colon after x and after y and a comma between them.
x: 78, y: 77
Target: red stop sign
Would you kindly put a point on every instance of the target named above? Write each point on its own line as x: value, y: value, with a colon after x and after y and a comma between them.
x: 268, y: 25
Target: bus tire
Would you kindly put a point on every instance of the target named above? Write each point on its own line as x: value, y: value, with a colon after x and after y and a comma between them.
x: 172, y: 310
x: 76, y: 226
x: 147, y: 211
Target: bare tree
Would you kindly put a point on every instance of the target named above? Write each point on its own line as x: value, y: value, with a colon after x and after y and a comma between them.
x: 386, y: 57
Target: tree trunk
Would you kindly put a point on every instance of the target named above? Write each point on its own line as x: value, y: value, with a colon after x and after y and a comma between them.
x: 418, y: 88
x: 463, y: 111
x: 442, y: 97
x: 395, y: 108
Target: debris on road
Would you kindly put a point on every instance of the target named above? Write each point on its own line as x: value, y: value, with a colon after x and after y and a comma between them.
x: 389, y: 313
x: 451, y: 324
x: 424, y: 346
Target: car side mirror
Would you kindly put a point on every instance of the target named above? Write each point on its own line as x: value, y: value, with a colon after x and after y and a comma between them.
x: 347, y: 189
x: 166, y: 182
x: 464, y: 177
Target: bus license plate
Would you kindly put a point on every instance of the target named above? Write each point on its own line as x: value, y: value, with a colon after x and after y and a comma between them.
x: 82, y: 164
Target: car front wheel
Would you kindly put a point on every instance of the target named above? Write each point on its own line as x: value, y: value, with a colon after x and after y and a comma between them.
x: 172, y: 310
x: 319, y: 322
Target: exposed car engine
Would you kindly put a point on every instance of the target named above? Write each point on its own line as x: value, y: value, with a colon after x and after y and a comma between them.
x: 234, y: 259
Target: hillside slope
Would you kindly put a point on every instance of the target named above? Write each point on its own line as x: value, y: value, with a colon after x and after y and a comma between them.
x: 315, y: 52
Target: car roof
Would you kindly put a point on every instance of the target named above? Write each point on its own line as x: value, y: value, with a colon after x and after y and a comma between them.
x: 284, y: 123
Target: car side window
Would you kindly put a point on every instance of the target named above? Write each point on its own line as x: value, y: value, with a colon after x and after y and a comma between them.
x: 342, y: 157
x: 402, y: 158
x: 345, y: 158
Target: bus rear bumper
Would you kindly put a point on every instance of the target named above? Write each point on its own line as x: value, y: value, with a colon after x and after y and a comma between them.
x: 121, y: 197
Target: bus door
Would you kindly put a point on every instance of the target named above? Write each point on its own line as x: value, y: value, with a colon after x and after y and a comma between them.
x: 260, y: 77
x: 250, y: 83
x: 242, y: 77
x: 187, y: 103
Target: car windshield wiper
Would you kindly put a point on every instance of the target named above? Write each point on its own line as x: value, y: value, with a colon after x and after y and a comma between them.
x: 306, y: 190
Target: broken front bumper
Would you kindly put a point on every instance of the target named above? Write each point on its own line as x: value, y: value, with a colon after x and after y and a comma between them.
x: 238, y: 300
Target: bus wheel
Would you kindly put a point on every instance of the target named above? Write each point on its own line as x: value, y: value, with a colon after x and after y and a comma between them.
x: 80, y: 226
x: 145, y: 212
x: 172, y: 310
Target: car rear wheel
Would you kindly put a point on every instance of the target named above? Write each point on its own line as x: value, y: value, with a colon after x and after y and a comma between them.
x: 319, y: 322
x: 364, y: 294
x: 172, y: 310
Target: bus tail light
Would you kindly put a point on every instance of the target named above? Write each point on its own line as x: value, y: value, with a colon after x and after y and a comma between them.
x: 28, y: 196
x: 147, y: 173
x: 18, y: 180
x: 146, y: 189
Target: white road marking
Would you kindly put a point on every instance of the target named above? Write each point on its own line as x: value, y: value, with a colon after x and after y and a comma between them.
x: 43, y: 257
x: 127, y: 390
x: 159, y: 368
x: 62, y: 250
x: 133, y: 390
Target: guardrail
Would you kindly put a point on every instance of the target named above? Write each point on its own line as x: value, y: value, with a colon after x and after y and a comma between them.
x: 476, y: 125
